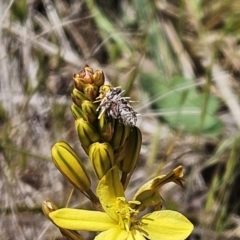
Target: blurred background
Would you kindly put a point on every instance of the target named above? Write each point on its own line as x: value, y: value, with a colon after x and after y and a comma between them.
x: 179, y: 60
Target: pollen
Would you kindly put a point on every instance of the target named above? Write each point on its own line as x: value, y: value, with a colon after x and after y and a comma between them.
x: 125, y: 213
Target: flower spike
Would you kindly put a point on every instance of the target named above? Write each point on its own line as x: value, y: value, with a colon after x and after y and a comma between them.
x: 106, y: 126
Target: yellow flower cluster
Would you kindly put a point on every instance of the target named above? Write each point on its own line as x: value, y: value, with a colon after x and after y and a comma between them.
x: 105, y: 124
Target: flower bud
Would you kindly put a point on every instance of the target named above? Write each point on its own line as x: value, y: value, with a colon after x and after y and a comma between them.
x: 128, y: 163
x: 98, y: 78
x: 120, y: 135
x: 103, y: 90
x: 87, y: 134
x: 85, y: 76
x: 77, y: 112
x: 120, y: 153
x: 102, y: 157
x: 69, y: 164
x: 78, y: 97
x: 105, y: 128
x: 89, y: 110
x: 91, y: 91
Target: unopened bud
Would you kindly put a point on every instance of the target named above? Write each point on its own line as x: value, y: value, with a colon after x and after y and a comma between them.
x: 89, y: 110
x: 98, y: 78
x: 77, y: 112
x: 120, y: 135
x: 85, y: 76
x: 102, y: 157
x: 91, y: 91
x: 128, y: 163
x: 103, y: 90
x: 105, y: 128
x: 87, y: 134
x: 69, y: 164
x: 78, y: 97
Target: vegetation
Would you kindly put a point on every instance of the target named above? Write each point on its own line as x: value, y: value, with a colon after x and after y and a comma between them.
x: 178, y: 60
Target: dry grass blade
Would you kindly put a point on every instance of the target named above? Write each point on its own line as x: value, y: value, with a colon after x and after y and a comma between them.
x: 56, y: 24
x: 222, y: 80
x: 43, y: 44
x: 181, y: 53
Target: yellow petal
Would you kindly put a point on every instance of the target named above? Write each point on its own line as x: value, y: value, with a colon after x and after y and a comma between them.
x: 136, y: 235
x: 76, y: 219
x: 115, y: 233
x: 166, y: 225
x: 157, y: 182
x: 108, y: 190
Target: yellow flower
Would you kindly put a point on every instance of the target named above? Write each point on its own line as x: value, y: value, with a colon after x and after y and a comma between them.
x: 120, y: 220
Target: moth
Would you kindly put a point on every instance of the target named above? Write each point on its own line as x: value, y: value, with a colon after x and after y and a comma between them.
x: 115, y: 105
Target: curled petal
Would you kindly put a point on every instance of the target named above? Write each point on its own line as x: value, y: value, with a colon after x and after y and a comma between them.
x: 148, y: 193
x: 175, y: 175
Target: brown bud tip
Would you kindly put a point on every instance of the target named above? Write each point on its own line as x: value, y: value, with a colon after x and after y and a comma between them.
x: 98, y: 78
